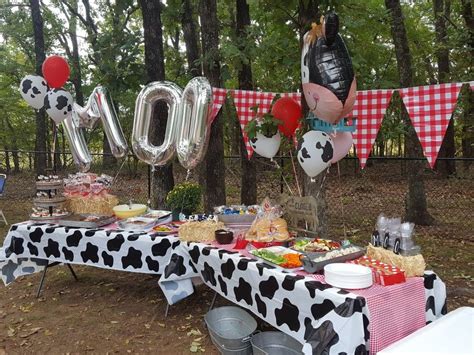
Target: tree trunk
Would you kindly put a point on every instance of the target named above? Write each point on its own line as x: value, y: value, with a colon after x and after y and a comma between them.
x: 467, y: 142
x: 41, y: 126
x: 248, y: 190
x: 108, y: 160
x: 469, y: 20
x: 163, y: 180
x: 190, y: 39
x: 442, y: 10
x: 214, y: 166
x: 7, y: 159
x: 467, y: 139
x: 415, y: 204
x: 76, y: 76
x: 16, y: 161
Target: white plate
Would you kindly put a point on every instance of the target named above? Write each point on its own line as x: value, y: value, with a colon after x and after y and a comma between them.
x: 350, y: 276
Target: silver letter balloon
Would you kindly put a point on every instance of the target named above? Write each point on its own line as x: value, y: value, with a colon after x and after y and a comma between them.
x: 100, y: 105
x: 152, y: 93
x: 188, y: 126
x: 77, y: 143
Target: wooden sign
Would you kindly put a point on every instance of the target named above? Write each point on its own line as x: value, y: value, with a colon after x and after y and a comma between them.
x: 301, y: 213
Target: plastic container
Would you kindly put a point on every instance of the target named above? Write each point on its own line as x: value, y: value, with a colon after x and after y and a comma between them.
x: 275, y: 343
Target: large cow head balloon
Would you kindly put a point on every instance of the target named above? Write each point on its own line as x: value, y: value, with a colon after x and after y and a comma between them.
x: 329, y: 84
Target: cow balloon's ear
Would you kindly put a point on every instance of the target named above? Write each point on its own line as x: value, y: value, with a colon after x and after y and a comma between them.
x: 331, y: 28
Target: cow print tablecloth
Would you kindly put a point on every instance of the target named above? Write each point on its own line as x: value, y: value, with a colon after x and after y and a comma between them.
x: 325, y: 319
x: 29, y: 246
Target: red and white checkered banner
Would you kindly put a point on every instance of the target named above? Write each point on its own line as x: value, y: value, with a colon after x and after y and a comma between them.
x: 218, y: 96
x: 430, y: 108
x: 369, y: 110
x: 244, y: 100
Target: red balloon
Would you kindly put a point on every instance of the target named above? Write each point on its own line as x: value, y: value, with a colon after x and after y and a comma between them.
x: 289, y: 111
x: 55, y: 71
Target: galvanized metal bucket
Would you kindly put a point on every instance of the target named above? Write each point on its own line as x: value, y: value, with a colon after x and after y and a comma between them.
x: 275, y: 343
x: 231, y: 329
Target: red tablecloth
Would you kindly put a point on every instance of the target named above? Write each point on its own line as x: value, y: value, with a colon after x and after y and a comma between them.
x: 395, y: 311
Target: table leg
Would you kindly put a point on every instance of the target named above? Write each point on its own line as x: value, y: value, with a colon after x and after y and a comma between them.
x: 72, y: 272
x: 43, y: 276
x: 213, y: 300
x: 167, y: 309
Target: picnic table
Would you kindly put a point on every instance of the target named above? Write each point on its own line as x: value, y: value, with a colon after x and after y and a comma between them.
x: 322, y: 317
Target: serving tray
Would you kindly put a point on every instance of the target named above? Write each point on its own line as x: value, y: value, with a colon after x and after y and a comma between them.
x: 312, y: 267
x: 75, y: 220
x: 277, y: 250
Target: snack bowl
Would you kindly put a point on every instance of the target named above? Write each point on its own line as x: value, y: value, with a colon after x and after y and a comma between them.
x: 224, y: 236
x: 128, y: 211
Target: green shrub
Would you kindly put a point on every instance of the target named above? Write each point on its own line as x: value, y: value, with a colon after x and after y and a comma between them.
x: 185, y: 197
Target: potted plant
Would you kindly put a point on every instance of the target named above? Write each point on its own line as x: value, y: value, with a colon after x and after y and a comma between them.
x: 184, y: 198
x: 263, y: 134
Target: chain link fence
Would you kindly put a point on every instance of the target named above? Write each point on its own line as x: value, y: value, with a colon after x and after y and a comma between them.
x: 354, y: 197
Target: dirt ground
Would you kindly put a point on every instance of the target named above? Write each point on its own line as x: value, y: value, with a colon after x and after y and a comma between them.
x: 119, y: 312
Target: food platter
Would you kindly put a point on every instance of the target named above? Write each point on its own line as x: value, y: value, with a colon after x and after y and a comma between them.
x: 277, y: 256
x: 315, y: 262
x: 137, y: 223
x: 315, y: 245
x: 49, y: 218
x: 166, y: 229
x: 157, y: 214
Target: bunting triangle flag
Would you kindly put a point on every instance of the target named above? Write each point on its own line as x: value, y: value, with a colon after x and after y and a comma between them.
x: 218, y: 96
x: 430, y: 109
x: 369, y: 110
x: 244, y: 100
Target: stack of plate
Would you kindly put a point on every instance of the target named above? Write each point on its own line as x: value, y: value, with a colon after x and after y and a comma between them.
x: 350, y: 276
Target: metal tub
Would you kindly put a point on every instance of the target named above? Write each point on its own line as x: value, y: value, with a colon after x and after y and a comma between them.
x: 275, y: 343
x: 230, y: 329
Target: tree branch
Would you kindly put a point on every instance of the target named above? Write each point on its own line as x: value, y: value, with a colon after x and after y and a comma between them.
x: 75, y: 13
x: 130, y: 12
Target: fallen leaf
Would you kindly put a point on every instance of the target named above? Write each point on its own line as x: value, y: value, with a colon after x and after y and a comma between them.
x: 194, y: 332
x: 147, y: 326
x: 47, y: 332
x: 11, y: 332
x: 114, y: 322
x: 31, y: 332
x: 193, y: 349
x: 162, y: 325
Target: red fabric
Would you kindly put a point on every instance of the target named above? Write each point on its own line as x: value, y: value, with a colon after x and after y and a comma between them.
x: 369, y: 110
x: 430, y: 109
x: 244, y: 100
x: 218, y: 96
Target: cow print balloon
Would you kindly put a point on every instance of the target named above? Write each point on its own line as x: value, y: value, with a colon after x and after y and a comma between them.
x: 315, y: 151
x: 33, y: 89
x: 58, y: 104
